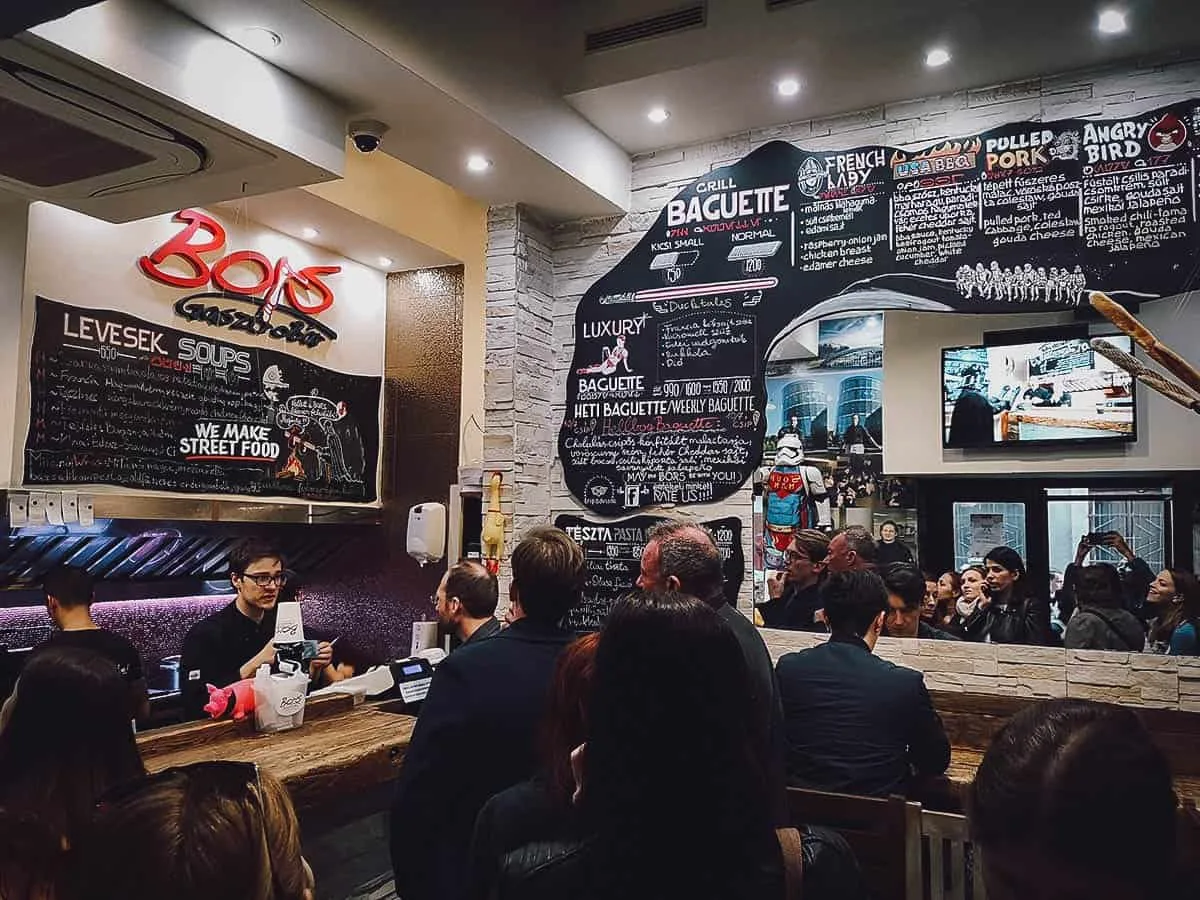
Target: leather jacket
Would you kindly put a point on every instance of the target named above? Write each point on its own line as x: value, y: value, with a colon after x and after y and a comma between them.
x: 551, y: 870
x: 1024, y: 621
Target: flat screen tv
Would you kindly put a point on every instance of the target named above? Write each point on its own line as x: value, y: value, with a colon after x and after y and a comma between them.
x: 1036, y: 392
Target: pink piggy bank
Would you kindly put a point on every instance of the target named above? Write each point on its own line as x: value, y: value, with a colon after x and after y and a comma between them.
x: 236, y: 700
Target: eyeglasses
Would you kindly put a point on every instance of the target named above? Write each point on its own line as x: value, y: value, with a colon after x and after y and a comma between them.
x: 265, y: 580
x: 796, y: 556
x: 232, y: 780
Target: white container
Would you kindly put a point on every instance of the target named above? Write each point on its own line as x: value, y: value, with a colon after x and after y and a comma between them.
x: 279, y: 700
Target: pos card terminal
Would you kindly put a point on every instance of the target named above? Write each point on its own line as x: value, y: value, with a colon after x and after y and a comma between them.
x: 412, y: 679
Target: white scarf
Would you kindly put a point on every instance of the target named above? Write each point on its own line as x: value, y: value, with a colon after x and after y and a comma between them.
x: 965, y: 607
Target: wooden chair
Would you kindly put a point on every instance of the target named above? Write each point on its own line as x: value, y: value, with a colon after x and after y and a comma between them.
x: 885, y: 835
x: 951, y: 871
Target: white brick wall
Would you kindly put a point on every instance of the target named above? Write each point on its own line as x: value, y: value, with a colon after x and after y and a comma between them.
x: 1133, y: 679
x: 578, y: 253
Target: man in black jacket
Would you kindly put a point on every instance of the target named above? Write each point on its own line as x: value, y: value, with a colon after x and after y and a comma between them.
x: 906, y: 591
x: 475, y: 735
x: 794, y: 594
x: 682, y: 556
x: 854, y: 723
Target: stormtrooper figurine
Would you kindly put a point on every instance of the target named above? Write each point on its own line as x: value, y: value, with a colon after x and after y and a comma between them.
x: 795, y: 498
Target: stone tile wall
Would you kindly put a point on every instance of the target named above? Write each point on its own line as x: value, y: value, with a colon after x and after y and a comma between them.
x: 1133, y: 679
x: 537, y: 274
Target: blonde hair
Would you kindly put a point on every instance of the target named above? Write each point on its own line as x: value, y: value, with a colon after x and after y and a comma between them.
x: 194, y: 843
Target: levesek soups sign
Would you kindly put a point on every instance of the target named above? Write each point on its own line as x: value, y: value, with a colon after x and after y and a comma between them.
x: 665, y: 397
x: 277, y: 300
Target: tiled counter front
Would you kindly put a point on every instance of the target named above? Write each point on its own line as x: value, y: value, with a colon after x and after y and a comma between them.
x: 1134, y: 679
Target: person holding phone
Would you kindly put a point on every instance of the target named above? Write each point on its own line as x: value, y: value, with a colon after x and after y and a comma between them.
x: 231, y: 644
x: 1136, y: 575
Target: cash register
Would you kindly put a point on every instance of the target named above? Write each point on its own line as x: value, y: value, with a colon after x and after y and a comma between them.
x: 412, y: 676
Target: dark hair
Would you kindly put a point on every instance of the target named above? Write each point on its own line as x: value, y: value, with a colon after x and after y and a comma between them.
x: 71, y: 586
x: 906, y: 583
x: 548, y: 573
x: 192, y: 833
x: 246, y: 551
x: 1098, y: 585
x: 1063, y: 777
x: 474, y: 586
x: 955, y: 581
x: 815, y: 544
x: 1010, y: 559
x: 673, y: 789
x: 32, y: 859
x: 861, y: 542
x: 853, y: 600
x: 68, y: 738
x: 887, y: 522
x: 1187, y: 610
x: 688, y: 552
x: 564, y: 725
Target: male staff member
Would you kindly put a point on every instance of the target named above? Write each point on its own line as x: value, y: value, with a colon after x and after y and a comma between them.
x: 466, y: 602
x: 69, y: 592
x: 231, y: 644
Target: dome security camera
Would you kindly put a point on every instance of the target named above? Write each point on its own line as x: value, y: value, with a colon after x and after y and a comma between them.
x: 367, y: 134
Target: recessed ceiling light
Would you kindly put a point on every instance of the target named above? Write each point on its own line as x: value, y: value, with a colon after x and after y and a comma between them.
x: 385, y: 261
x: 1112, y: 21
x: 788, y: 87
x: 658, y: 115
x: 258, y: 40
x: 937, y: 57
x: 477, y: 163
x: 308, y: 232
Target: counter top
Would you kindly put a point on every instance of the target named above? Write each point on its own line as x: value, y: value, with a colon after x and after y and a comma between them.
x: 339, y: 751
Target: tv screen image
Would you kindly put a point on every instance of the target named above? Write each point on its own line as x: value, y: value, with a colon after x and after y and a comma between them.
x: 1045, y: 392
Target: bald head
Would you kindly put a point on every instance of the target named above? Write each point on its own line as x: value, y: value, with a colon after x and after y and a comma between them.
x: 683, y: 556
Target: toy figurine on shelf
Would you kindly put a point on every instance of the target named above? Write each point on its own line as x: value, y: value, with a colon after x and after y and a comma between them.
x: 493, y: 527
x: 795, y: 498
x: 236, y: 700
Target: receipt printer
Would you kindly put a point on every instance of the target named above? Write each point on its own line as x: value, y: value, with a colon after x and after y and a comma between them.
x: 412, y: 680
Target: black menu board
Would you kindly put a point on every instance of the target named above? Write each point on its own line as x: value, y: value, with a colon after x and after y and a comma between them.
x: 118, y: 400
x: 613, y: 551
x: 665, y: 394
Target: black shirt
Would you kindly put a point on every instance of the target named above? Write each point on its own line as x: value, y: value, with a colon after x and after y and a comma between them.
x: 214, y: 651
x: 106, y: 643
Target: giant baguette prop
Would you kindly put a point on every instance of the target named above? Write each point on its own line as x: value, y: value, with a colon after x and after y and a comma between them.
x: 1151, y: 379
x: 1158, y: 351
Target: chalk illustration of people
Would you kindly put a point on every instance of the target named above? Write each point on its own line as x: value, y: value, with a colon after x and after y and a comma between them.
x: 613, y: 359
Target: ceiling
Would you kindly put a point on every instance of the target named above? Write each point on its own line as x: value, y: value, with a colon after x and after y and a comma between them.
x: 511, y: 81
x: 339, y: 230
x: 848, y: 55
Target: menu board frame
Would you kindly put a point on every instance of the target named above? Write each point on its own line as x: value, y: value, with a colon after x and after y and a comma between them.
x: 665, y: 395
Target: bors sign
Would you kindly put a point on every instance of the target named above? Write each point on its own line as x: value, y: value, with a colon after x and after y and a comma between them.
x: 274, y: 288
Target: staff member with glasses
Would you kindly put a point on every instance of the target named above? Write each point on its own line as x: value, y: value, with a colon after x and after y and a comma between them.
x: 231, y: 644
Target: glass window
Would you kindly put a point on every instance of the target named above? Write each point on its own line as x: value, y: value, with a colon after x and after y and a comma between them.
x: 978, y: 527
x: 1143, y: 522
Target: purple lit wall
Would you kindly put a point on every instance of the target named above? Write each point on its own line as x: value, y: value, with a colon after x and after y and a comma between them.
x: 367, y: 590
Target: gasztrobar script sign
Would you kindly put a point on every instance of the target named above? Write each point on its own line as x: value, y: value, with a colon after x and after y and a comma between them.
x: 665, y: 396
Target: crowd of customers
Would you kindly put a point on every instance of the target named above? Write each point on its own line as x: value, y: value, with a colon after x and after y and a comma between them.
x: 1095, y: 606
x: 647, y: 760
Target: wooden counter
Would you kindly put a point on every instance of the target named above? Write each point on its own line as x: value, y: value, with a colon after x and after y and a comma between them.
x: 341, y: 750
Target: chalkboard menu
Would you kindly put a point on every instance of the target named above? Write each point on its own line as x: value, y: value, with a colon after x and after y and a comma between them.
x: 613, y: 551
x: 121, y: 401
x: 665, y: 395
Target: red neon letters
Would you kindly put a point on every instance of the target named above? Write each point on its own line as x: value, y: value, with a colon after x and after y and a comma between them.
x: 305, y: 291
